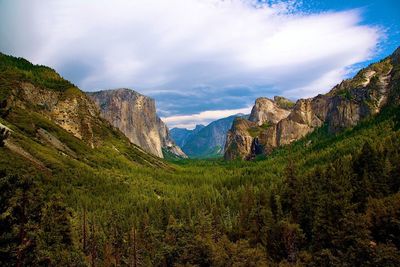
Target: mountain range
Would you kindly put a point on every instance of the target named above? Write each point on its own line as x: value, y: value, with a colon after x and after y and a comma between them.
x: 204, y: 141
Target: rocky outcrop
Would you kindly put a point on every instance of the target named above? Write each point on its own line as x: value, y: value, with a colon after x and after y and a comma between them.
x: 166, y: 140
x: 267, y: 110
x: 135, y: 115
x: 71, y: 109
x: 344, y: 106
x: 246, y: 136
x: 52, y: 140
x: 4, y: 134
x: 239, y: 140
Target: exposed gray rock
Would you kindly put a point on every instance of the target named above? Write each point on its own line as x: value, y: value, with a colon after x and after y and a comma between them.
x: 135, y: 115
x: 267, y: 110
x: 238, y: 140
x: 55, y: 142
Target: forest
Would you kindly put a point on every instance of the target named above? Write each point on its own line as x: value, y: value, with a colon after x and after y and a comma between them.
x: 326, y: 200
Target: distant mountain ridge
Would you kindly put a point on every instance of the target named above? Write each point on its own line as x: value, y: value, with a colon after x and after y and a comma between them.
x: 135, y: 115
x: 204, y: 141
x: 181, y: 135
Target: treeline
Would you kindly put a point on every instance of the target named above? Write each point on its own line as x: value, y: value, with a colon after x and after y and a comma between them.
x: 18, y: 69
x: 345, y: 214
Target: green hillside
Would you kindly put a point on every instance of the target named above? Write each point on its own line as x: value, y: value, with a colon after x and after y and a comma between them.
x: 325, y: 200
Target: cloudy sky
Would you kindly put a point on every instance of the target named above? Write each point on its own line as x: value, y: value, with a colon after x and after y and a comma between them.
x: 202, y: 59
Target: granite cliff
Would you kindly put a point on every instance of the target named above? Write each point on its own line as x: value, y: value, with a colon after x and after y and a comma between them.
x: 50, y: 124
x: 135, y: 115
x: 272, y: 124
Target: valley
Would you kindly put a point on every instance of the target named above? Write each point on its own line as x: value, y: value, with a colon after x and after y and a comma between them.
x: 76, y: 191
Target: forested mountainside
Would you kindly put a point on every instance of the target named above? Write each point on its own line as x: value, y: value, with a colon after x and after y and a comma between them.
x: 205, y: 141
x: 135, y: 115
x: 70, y: 196
x: 271, y: 126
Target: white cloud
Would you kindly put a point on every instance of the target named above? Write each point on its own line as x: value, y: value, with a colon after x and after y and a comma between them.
x: 205, y: 117
x: 179, y: 45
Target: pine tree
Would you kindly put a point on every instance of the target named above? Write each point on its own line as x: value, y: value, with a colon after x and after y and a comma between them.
x: 21, y: 202
x: 290, y: 197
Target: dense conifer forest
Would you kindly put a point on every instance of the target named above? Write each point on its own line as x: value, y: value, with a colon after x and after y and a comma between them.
x: 333, y: 201
x: 325, y: 200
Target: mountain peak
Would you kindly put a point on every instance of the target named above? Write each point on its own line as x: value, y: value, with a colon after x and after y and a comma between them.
x: 121, y: 92
x: 135, y: 115
x: 267, y: 110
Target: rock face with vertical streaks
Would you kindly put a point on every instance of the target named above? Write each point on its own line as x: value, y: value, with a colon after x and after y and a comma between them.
x: 135, y: 115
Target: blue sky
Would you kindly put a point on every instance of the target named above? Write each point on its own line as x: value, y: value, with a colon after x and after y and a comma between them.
x: 381, y: 13
x: 202, y: 59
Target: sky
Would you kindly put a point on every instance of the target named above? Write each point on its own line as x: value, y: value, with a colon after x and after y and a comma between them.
x: 202, y: 60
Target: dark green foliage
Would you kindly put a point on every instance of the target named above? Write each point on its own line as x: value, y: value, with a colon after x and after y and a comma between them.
x: 333, y: 202
x: 34, y: 231
x: 18, y: 69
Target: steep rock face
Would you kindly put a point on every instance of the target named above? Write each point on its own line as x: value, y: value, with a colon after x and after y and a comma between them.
x: 54, y: 123
x: 344, y: 106
x: 267, y: 110
x: 239, y: 140
x: 166, y: 140
x: 244, y: 137
x: 135, y: 115
x: 306, y: 115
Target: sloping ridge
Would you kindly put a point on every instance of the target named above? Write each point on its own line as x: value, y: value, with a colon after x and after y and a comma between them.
x: 344, y: 106
x: 55, y: 122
